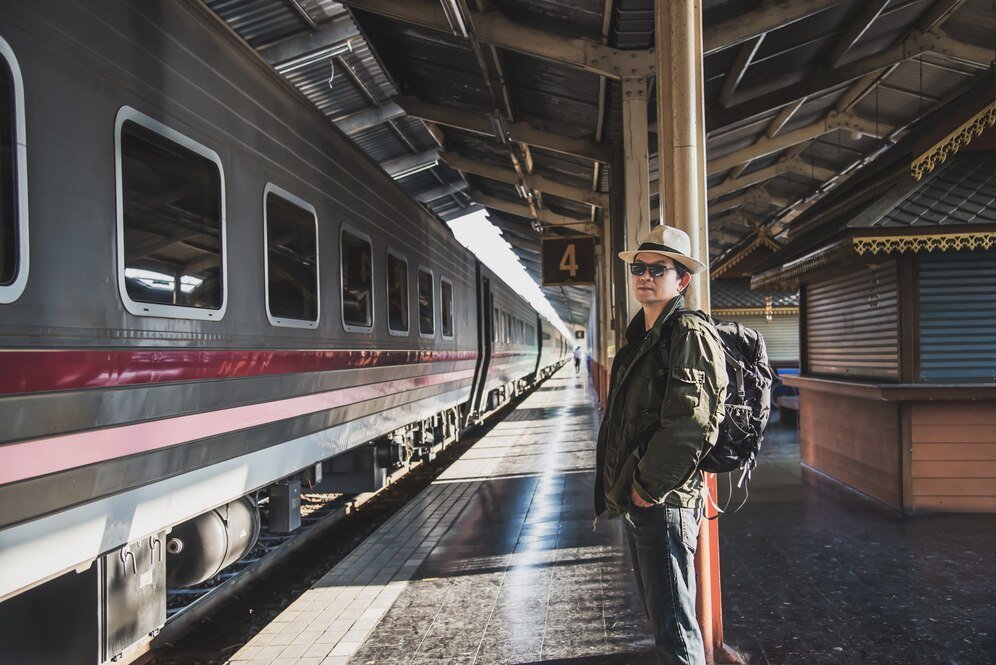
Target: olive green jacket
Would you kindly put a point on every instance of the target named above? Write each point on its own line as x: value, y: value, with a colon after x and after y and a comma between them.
x: 656, y: 428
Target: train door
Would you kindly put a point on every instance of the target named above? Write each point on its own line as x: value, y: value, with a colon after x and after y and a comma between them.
x: 485, y: 341
x: 539, y: 346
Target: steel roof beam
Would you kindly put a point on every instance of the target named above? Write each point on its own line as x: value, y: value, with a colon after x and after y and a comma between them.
x: 766, y: 146
x: 546, y: 218
x: 494, y: 28
x: 869, y: 13
x: 449, y: 189
x: 531, y: 180
x: 590, y: 55
x: 372, y: 117
x: 521, y: 132
x: 736, y: 74
x: 757, y: 197
x: 938, y: 13
x: 304, y: 45
x: 796, y: 166
x: 726, y: 236
x: 409, y: 164
x: 824, y: 80
x: 771, y: 15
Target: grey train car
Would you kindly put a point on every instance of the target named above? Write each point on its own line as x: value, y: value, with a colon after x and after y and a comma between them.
x: 206, y: 293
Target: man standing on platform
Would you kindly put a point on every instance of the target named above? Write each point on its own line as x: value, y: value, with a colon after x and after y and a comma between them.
x: 659, y: 422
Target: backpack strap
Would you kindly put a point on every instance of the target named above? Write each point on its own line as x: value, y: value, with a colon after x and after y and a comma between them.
x: 663, y: 349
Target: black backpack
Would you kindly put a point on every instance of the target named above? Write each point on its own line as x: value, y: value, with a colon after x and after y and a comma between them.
x: 748, y: 396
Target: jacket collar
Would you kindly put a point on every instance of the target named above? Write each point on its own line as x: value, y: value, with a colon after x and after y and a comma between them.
x: 637, y: 329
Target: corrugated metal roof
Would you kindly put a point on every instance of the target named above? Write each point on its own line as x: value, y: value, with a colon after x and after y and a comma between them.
x: 259, y: 22
x: 439, y: 68
x: 962, y: 191
x: 572, y: 18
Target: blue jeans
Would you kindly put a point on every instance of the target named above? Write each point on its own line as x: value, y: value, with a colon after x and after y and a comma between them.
x: 662, y: 541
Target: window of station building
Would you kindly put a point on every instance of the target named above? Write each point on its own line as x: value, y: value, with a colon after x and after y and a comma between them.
x: 397, y: 294
x: 426, y: 312
x: 171, y: 221
x: 356, y: 255
x: 13, y: 179
x: 446, y: 306
x: 291, y: 229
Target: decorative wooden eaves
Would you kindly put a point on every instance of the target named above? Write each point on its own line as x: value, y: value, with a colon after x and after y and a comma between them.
x: 762, y: 240
x: 954, y: 141
x: 755, y: 311
x: 921, y: 243
x: 925, y: 244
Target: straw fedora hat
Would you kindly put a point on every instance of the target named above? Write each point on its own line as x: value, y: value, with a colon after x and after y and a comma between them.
x: 666, y: 241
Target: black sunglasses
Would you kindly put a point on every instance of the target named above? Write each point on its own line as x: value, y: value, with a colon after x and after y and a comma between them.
x: 656, y: 269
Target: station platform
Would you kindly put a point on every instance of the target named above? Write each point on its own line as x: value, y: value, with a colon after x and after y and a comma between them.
x: 496, y: 562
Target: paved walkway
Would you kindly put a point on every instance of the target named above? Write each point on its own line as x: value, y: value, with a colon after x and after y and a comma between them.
x: 495, y: 562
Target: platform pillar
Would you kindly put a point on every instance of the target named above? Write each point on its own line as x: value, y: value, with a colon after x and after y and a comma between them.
x: 682, y: 166
x: 636, y: 170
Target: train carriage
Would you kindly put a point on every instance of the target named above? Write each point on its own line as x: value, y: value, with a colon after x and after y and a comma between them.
x: 211, y: 292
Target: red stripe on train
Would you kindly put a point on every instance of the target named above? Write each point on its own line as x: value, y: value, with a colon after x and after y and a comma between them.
x: 27, y: 459
x: 43, y: 371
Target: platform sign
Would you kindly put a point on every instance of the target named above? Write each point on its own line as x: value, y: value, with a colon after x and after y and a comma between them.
x: 568, y: 260
x: 578, y: 334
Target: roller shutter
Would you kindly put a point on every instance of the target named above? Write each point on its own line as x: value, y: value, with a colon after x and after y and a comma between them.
x: 958, y: 318
x: 852, y: 324
x: 781, y: 336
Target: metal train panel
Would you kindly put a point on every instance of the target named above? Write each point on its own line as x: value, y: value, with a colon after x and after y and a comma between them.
x: 121, y: 419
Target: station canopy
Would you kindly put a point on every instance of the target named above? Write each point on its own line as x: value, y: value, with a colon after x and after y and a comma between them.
x: 516, y: 105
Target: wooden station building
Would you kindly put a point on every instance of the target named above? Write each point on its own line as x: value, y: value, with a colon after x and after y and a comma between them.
x: 897, y: 279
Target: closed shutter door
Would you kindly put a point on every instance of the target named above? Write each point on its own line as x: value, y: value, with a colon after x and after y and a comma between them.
x: 781, y: 336
x: 852, y: 324
x: 958, y: 318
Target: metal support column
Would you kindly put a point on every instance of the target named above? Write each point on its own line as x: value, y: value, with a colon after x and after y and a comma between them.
x: 607, y: 306
x: 636, y: 167
x: 681, y: 136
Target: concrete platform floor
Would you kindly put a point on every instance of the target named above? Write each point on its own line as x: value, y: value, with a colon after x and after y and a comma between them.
x: 496, y: 562
x: 815, y: 573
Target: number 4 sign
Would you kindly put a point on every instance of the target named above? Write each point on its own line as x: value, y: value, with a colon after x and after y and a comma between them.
x: 568, y: 260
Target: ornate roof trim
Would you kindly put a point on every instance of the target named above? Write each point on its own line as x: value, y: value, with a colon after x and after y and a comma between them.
x: 761, y: 240
x: 954, y: 141
x: 925, y: 244
x: 754, y: 311
x: 917, y: 243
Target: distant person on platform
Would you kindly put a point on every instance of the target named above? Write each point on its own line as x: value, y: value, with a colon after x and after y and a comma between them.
x: 658, y: 424
x: 577, y: 359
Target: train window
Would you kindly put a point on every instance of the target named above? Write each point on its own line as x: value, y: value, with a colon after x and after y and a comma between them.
x: 356, y: 255
x: 426, y: 311
x: 446, y: 306
x: 171, y: 221
x: 397, y: 293
x: 13, y: 180
x: 290, y: 227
